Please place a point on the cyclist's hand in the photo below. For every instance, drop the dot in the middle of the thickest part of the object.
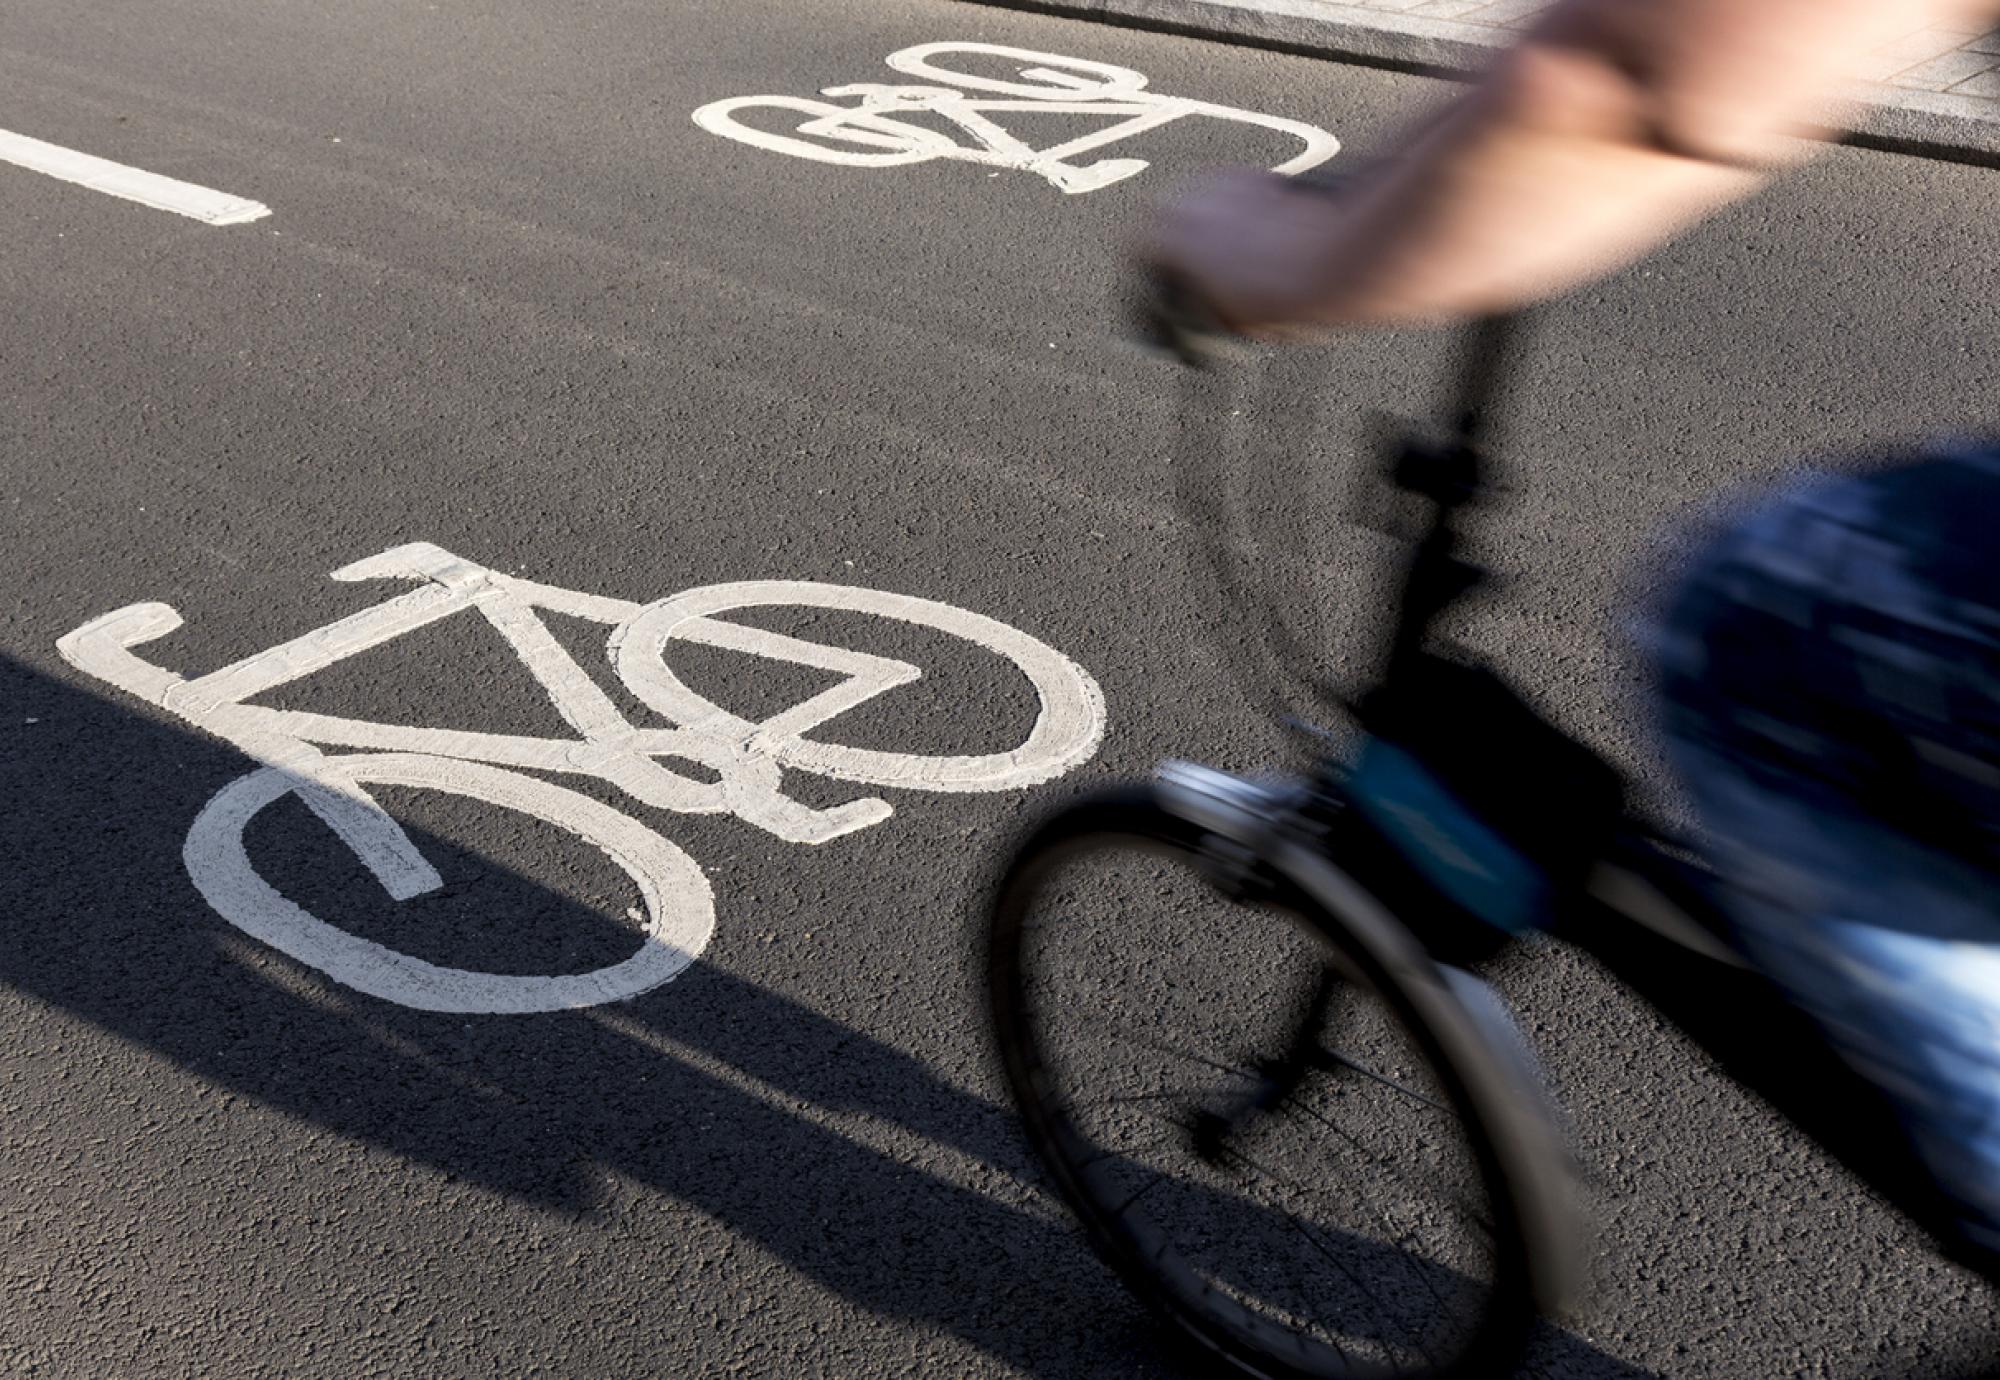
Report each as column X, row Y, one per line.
column 1251, row 245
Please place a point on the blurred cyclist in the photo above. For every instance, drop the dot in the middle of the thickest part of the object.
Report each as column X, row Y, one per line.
column 1830, row 666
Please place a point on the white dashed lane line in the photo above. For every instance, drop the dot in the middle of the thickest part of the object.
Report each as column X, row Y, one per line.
column 134, row 184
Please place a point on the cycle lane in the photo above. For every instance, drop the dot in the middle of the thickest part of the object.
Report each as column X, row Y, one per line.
column 225, row 512
column 573, row 390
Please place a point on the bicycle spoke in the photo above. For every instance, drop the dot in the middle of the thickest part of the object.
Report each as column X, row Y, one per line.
column 1466, row 1210
column 1345, row 1236
column 1111, row 1099
column 1162, row 1047
column 1399, row 1243
column 1313, row 1239
column 1325, row 1056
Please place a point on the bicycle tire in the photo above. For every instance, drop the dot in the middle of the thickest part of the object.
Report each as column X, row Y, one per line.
column 1232, row 1336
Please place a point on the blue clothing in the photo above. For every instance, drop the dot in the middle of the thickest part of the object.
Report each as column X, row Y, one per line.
column 1830, row 678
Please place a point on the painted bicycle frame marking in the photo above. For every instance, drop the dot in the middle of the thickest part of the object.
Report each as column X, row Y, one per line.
column 746, row 759
column 867, row 134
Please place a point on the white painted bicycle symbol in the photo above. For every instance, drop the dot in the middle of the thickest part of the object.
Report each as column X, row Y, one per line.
column 867, row 134
column 746, row 760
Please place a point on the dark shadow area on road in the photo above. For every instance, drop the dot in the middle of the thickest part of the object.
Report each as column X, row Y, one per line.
column 685, row 1092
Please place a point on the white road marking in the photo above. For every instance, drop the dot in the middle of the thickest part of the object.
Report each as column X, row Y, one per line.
column 133, row 184
column 747, row 759
column 865, row 135
column 679, row 916
column 1066, row 732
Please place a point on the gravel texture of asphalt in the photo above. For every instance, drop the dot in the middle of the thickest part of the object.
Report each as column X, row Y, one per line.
column 512, row 301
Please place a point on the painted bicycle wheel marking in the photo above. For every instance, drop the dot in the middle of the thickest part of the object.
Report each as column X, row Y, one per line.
column 747, row 759
column 866, row 134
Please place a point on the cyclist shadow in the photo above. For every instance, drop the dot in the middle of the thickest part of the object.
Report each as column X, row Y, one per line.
column 856, row 1163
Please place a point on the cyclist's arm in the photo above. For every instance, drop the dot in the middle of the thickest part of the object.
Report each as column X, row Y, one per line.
column 1613, row 125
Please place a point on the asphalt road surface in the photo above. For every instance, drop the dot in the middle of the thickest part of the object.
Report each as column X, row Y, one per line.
column 513, row 302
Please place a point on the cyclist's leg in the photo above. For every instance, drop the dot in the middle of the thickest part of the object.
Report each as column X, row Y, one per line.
column 1820, row 899
column 1831, row 678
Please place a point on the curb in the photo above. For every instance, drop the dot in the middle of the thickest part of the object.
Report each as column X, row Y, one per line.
column 1925, row 124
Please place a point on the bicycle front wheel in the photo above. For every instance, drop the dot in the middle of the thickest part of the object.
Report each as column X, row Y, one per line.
column 1261, row 1128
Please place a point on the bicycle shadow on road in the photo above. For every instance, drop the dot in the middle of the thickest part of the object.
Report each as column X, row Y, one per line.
column 847, row 1158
